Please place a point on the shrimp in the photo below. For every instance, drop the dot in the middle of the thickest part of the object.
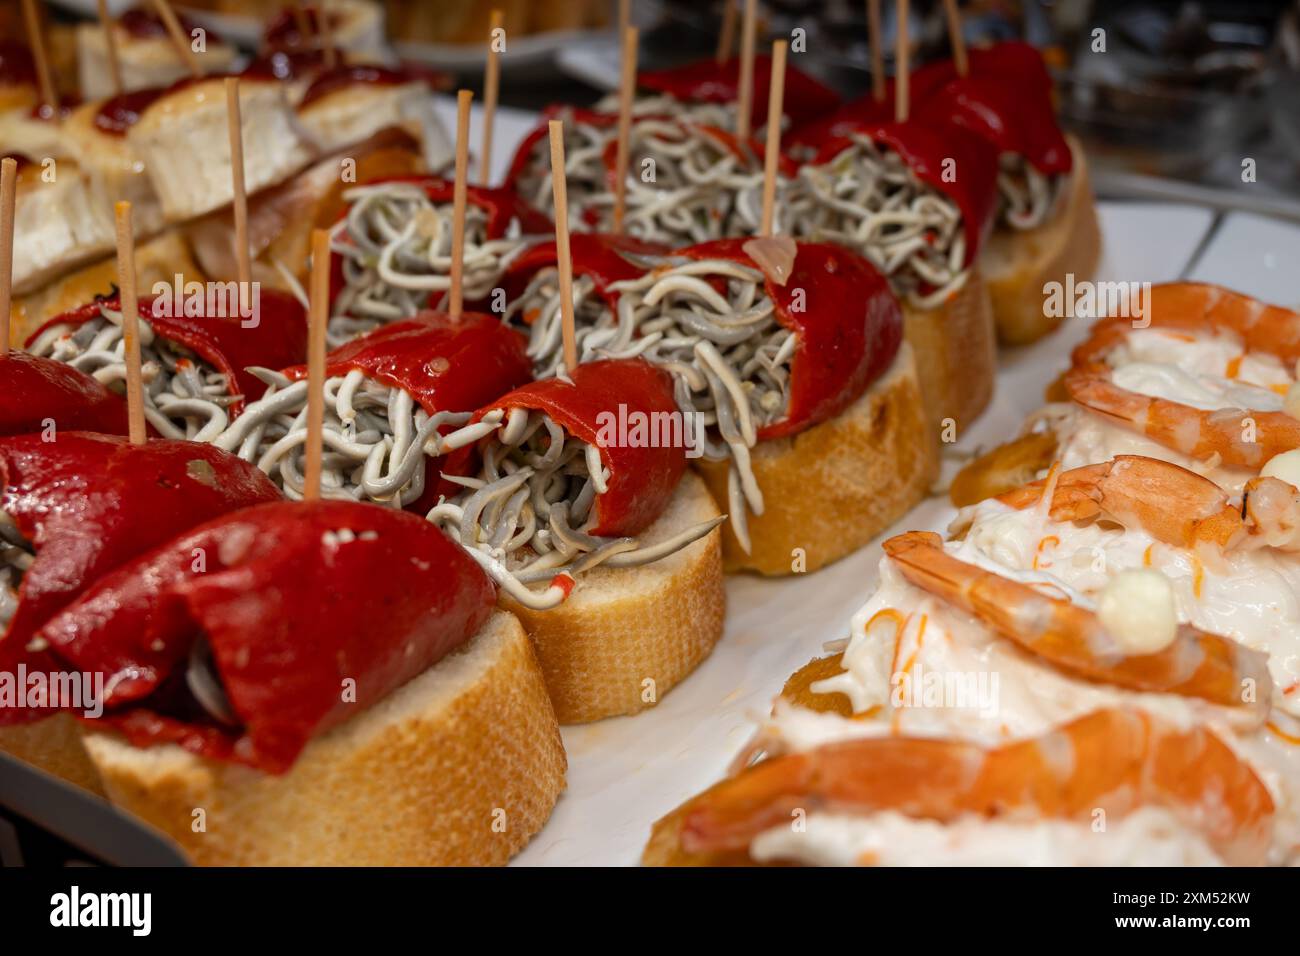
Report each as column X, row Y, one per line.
column 1197, row 432
column 1071, row 638
column 1175, row 506
column 1111, row 760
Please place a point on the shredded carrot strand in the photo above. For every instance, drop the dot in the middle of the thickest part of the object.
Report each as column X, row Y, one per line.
column 1289, row 738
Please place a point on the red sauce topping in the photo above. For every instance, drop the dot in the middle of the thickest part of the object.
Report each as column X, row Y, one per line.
column 144, row 24
column 341, row 77
column 286, row 64
column 17, row 68
column 283, row 33
column 119, row 113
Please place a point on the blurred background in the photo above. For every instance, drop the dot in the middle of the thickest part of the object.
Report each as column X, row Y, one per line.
column 1169, row 96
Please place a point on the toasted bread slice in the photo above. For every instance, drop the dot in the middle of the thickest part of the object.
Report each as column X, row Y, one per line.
column 1017, row 264
column 829, row 490
column 626, row 636
column 956, row 356
column 160, row 259
column 54, row 745
column 461, row 766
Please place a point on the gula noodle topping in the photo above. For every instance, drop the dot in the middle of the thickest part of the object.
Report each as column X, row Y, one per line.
column 16, row 556
column 396, row 249
column 728, row 354
column 376, row 438
column 525, row 518
column 184, row 396
column 868, row 199
column 1027, row 196
column 685, row 183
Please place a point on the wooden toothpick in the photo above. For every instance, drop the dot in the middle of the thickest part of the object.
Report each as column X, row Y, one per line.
column 491, row 86
column 626, row 93
column 455, row 296
column 179, row 38
column 775, row 107
column 8, row 183
column 562, row 255
column 36, row 40
column 726, row 38
column 243, row 265
column 877, row 51
column 745, row 93
column 130, row 322
column 955, row 37
column 901, row 69
column 110, row 44
column 318, row 318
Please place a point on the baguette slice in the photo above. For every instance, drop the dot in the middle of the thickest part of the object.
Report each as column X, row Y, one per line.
column 183, row 140
column 623, row 627
column 53, row 745
column 1017, row 264
column 460, row 767
column 160, row 259
column 956, row 355
column 59, row 222
column 829, row 490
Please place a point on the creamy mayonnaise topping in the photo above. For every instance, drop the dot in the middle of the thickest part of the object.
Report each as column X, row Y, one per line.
column 1151, row 836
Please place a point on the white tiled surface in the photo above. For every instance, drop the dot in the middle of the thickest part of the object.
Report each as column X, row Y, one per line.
column 627, row 772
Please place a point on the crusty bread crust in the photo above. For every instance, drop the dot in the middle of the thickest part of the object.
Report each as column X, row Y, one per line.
column 461, row 766
column 956, row 356
column 158, row 260
column 829, row 490
column 54, row 745
column 626, row 636
column 1017, row 264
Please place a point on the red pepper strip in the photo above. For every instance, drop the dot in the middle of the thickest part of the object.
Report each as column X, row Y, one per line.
column 970, row 179
column 294, row 600
column 706, row 81
column 34, row 390
column 601, row 256
column 523, row 157
column 445, row 365
column 89, row 503
column 604, row 397
column 278, row 338
column 847, row 321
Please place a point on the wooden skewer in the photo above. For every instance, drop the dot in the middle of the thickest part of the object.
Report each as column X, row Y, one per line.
column 303, row 21
column 877, row 52
column 327, row 37
column 955, row 37
column 244, row 268
column 8, row 181
column 130, row 321
column 727, row 38
column 491, row 86
column 624, row 16
column 775, row 107
column 110, row 43
column 626, row 90
column 179, row 38
column 36, row 40
column 455, row 296
column 562, row 255
column 317, row 320
column 745, row 106
column 901, row 69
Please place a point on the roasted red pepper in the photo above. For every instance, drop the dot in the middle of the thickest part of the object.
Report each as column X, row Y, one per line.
column 89, row 503
column 847, row 322
column 446, row 365
column 603, row 257
column 294, row 600
column 278, row 338
column 707, row 81
column 601, row 395
column 34, row 390
column 953, row 160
